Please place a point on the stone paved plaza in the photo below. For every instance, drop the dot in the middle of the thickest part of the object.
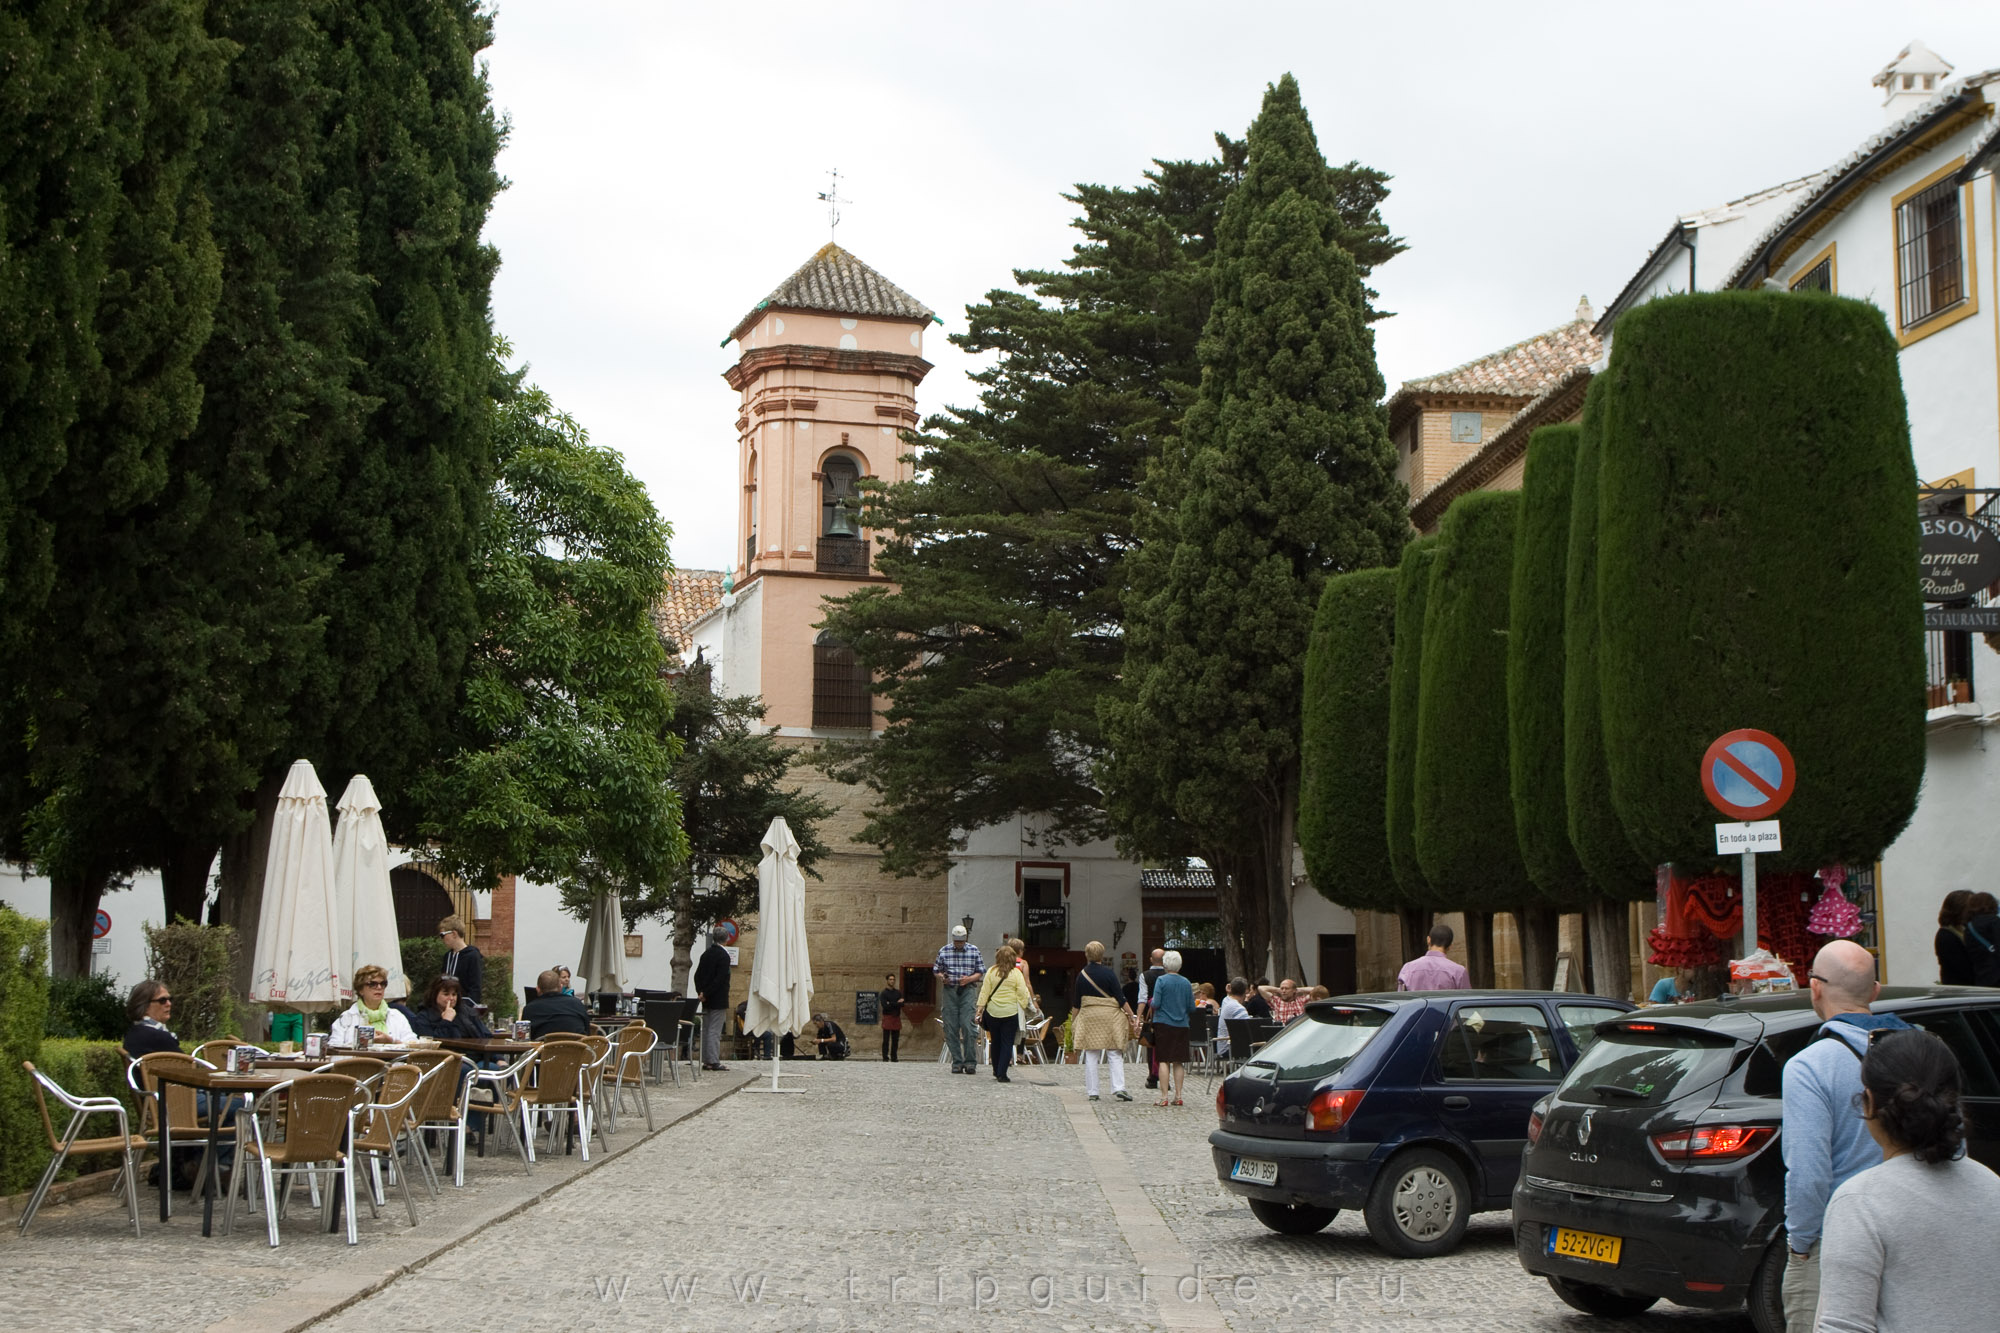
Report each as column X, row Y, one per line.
column 879, row 1198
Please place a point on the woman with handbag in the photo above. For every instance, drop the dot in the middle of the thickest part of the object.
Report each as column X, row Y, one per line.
column 1103, row 1021
column 1003, row 996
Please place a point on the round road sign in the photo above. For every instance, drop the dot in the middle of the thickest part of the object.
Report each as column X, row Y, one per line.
column 101, row 926
column 728, row 926
column 1747, row 774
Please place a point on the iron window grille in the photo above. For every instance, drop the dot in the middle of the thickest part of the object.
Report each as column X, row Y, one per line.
column 1930, row 257
column 840, row 555
column 1818, row 278
column 842, row 688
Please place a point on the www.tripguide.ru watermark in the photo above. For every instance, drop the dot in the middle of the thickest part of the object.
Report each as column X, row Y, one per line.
column 983, row 1291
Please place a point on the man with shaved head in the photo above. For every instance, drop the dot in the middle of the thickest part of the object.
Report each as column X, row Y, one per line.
column 1825, row 1140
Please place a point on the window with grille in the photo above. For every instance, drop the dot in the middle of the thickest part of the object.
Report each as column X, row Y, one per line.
column 1930, row 259
column 841, row 686
column 1818, row 278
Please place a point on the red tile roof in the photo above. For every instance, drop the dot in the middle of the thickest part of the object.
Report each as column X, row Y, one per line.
column 834, row 280
column 689, row 595
column 1528, row 368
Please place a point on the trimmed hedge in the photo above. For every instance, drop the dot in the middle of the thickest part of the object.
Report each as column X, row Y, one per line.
column 1344, row 742
column 1595, row 830
column 1757, row 553
column 197, row 963
column 1406, row 673
column 1464, row 814
column 24, row 1007
column 1535, row 666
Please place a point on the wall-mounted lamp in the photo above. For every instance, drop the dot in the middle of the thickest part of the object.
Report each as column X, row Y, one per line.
column 966, row 921
column 1117, row 931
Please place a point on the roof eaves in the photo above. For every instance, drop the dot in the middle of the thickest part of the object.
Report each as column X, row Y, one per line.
column 1856, row 166
column 1552, row 404
column 1676, row 235
column 1983, row 151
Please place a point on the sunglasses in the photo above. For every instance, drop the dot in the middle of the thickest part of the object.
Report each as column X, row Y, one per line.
column 163, row 999
column 374, row 985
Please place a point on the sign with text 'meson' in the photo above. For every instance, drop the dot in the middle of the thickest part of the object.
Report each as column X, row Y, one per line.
column 1762, row 836
column 1960, row 554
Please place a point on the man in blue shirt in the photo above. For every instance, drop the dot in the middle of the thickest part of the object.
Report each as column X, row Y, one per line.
column 1825, row 1140
column 959, row 969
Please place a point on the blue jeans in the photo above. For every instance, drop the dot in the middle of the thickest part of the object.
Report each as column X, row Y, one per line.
column 955, row 1007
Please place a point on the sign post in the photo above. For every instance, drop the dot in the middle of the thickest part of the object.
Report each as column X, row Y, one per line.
column 1748, row 775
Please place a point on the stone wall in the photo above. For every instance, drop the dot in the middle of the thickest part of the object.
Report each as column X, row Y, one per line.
column 861, row 923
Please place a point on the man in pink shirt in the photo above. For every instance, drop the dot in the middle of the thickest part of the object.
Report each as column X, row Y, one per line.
column 1434, row 971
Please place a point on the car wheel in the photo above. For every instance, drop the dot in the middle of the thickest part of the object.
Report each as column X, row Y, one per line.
column 1419, row 1205
column 1593, row 1299
column 1767, row 1290
column 1292, row 1219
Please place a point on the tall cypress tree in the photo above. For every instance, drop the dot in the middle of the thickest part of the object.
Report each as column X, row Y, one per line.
column 1406, row 675
column 1344, row 743
column 1283, row 475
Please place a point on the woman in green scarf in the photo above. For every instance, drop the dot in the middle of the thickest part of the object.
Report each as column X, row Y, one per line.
column 371, row 1009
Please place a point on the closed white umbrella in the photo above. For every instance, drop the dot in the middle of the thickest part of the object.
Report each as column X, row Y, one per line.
column 364, row 909
column 294, row 963
column 781, row 985
column 603, row 961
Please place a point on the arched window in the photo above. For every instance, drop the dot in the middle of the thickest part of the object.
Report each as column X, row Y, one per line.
column 840, row 502
column 750, row 546
column 841, row 686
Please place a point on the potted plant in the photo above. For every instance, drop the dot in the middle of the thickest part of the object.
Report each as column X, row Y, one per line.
column 1961, row 690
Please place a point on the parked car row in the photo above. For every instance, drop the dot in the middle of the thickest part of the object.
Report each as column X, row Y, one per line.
column 1638, row 1149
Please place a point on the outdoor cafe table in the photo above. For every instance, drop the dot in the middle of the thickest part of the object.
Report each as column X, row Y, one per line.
column 215, row 1081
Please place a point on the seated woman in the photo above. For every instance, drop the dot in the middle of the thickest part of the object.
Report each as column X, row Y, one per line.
column 445, row 1013
column 370, row 1009
column 1204, row 996
column 149, row 1006
column 832, row 1041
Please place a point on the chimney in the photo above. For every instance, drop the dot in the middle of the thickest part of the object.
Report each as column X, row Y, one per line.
column 1911, row 79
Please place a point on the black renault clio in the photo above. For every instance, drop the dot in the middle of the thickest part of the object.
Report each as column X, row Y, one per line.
column 1653, row 1171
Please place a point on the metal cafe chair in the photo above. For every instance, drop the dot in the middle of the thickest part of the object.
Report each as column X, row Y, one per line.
column 376, row 1129
column 124, row 1142
column 309, row 1139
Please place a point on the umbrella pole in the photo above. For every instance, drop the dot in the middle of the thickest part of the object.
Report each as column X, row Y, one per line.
column 775, row 1075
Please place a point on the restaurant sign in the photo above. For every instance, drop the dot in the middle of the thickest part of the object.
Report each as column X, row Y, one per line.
column 1961, row 555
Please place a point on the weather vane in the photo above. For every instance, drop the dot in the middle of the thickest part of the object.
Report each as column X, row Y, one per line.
column 830, row 196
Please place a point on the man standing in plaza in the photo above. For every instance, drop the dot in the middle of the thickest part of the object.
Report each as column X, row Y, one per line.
column 1147, row 980
column 711, row 982
column 959, row 969
column 1434, row 971
column 1825, row 1141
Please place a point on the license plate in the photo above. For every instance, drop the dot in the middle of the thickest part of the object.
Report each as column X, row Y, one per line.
column 1585, row 1245
column 1254, row 1171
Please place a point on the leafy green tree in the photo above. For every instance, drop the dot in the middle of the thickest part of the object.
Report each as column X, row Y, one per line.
column 1344, row 743
column 1595, row 831
column 1406, row 675
column 1003, row 627
column 1464, row 812
column 731, row 779
column 1745, row 532
column 1282, row 476
column 561, row 759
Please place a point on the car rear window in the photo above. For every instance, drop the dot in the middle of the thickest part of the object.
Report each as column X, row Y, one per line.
column 1322, row 1042
column 1647, row 1064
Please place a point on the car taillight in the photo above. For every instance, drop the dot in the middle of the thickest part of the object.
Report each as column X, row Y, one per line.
column 1331, row 1109
column 1221, row 1110
column 1534, row 1127
column 1713, row 1143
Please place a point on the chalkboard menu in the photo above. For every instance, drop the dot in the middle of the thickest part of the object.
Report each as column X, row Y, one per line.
column 867, row 1008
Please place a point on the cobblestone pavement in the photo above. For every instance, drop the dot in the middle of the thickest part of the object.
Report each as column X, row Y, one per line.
column 80, row 1268
column 908, row 1198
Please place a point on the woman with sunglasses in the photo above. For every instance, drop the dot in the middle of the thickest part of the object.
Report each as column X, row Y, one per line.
column 151, row 1009
column 371, row 1009
column 1910, row 1244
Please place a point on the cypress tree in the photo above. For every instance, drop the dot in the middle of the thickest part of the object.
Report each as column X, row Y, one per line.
column 1535, row 668
column 1746, row 532
column 1464, row 832
column 1283, row 476
column 1406, row 674
column 1344, row 742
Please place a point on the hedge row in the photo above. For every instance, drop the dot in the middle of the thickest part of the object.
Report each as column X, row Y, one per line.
column 1406, row 674
column 1344, row 742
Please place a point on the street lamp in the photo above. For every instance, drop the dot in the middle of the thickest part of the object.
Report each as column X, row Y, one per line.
column 1117, row 931
column 966, row 921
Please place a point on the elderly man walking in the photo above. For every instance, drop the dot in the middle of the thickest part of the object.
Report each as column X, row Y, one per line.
column 711, row 982
column 959, row 970
column 1825, row 1140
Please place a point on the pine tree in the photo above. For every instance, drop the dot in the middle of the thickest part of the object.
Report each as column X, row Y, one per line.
column 1003, row 630
column 1283, row 475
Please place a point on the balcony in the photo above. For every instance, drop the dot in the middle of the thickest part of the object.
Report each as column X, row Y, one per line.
column 841, row 555
column 1952, row 629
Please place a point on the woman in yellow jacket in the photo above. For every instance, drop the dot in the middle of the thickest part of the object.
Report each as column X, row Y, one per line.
column 1002, row 997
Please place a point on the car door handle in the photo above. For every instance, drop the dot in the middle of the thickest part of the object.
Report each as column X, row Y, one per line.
column 1457, row 1103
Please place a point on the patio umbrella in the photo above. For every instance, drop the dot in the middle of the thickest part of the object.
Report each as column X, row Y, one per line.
column 781, row 985
column 364, row 910
column 295, row 964
column 603, row 961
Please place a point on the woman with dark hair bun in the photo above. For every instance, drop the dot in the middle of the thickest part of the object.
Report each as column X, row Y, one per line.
column 1910, row 1244
column 1954, row 963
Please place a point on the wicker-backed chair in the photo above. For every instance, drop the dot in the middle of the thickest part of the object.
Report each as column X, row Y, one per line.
column 437, row 1105
column 628, row 1067
column 601, row 1122
column 214, row 1051
column 309, row 1138
column 376, row 1129
column 504, row 1106
column 561, row 1088
column 363, row 1070
column 124, row 1142
column 184, row 1120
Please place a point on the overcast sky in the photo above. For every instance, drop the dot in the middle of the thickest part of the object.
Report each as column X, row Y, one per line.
column 664, row 159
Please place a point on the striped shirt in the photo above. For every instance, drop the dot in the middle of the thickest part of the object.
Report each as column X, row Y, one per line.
column 955, row 963
column 1284, row 1010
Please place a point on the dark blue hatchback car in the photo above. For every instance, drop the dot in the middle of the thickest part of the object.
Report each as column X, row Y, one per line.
column 1412, row 1106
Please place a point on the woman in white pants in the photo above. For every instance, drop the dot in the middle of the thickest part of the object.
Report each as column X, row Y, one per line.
column 1103, row 1021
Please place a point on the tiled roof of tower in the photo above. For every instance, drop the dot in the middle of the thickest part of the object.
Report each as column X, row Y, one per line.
column 835, row 281
column 689, row 595
column 1522, row 371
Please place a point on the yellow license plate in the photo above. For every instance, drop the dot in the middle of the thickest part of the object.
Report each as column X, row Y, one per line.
column 1585, row 1245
